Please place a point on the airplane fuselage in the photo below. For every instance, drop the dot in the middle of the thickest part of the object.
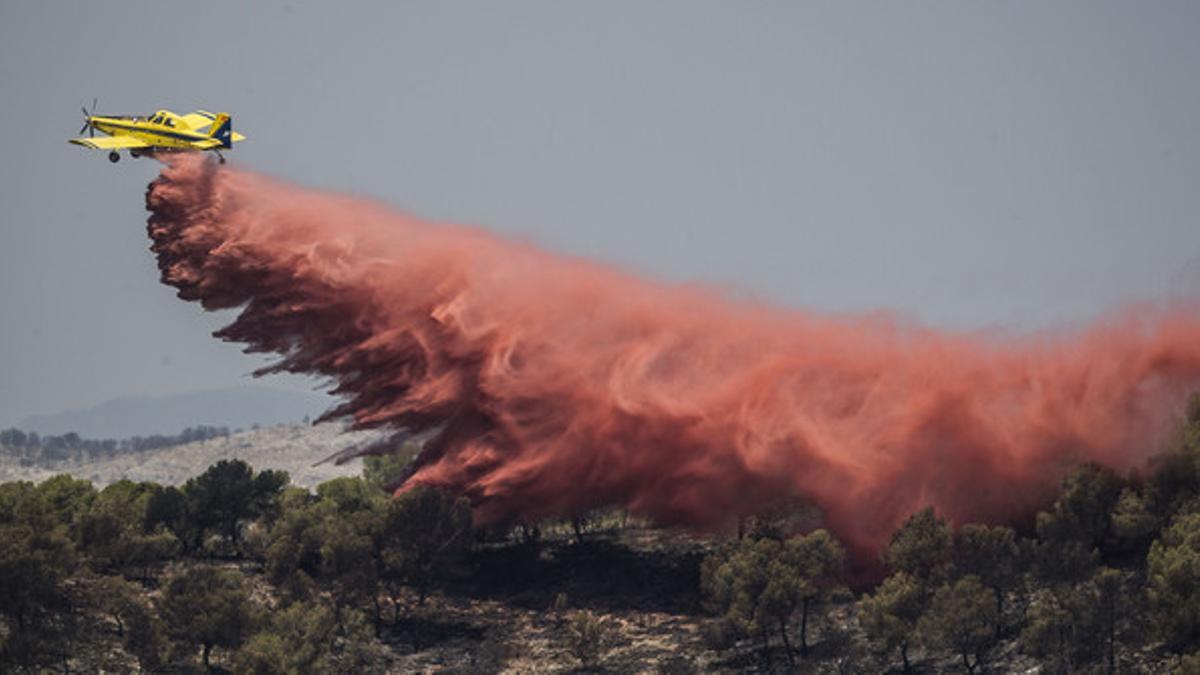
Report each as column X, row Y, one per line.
column 152, row 134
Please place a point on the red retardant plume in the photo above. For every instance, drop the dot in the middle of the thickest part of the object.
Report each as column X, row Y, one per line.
column 549, row 385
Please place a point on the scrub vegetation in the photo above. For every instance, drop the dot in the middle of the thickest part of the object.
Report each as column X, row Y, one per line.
column 236, row 570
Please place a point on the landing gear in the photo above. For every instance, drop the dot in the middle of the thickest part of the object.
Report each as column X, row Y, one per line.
column 134, row 154
column 114, row 157
column 220, row 157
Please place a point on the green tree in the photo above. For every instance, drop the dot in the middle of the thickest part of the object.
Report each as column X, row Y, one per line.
column 1111, row 600
column 1054, row 630
column 731, row 581
column 1071, row 533
column 1061, row 561
column 115, row 598
column 33, row 567
column 293, row 551
column 1173, row 484
column 335, row 538
column 144, row 636
column 1074, row 627
column 227, row 494
column 21, row 503
column 140, row 632
column 1083, row 511
column 207, row 607
column 1173, row 580
column 890, row 615
column 962, row 618
column 166, row 508
column 111, row 533
column 1133, row 524
column 35, row 562
column 923, row 547
column 65, row 497
column 348, row 563
column 992, row 555
column 298, row 639
column 348, row 495
column 423, row 531
column 812, row 565
column 384, row 472
column 760, row 585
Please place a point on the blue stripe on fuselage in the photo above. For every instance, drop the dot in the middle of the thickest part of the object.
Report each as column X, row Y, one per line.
column 186, row 136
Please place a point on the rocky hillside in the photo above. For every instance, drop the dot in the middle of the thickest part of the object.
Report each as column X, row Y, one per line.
column 296, row 448
column 234, row 407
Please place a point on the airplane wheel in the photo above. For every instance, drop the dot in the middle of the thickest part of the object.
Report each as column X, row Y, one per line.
column 114, row 157
column 134, row 154
column 220, row 160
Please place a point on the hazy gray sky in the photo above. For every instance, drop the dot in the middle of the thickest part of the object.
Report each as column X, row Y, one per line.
column 963, row 164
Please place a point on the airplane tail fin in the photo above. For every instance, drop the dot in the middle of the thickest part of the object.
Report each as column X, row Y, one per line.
column 222, row 130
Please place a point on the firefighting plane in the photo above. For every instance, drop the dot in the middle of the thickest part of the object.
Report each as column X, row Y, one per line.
column 162, row 131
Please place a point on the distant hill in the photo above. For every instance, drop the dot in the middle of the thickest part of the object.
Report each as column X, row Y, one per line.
column 235, row 408
column 295, row 448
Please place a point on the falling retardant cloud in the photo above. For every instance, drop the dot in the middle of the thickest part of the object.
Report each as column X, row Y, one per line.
column 549, row 385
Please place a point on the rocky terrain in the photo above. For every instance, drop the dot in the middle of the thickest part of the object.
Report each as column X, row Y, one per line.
column 610, row 593
column 298, row 449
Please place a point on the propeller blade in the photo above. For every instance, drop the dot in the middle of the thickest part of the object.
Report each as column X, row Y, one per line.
column 87, row 119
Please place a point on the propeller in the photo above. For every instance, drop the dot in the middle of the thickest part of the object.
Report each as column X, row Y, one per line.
column 87, row 119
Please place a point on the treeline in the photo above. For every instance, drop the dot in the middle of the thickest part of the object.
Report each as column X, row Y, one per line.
column 237, row 570
column 171, row 571
column 1106, row 580
column 32, row 449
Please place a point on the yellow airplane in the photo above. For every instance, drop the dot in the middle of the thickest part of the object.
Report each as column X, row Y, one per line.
column 163, row 131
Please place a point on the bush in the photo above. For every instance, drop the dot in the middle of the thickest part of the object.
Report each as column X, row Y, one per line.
column 298, row 639
column 589, row 637
column 719, row 634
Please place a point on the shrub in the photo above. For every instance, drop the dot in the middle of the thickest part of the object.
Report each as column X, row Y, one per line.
column 589, row 637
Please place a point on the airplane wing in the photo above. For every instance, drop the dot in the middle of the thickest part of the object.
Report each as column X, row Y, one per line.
column 110, row 142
